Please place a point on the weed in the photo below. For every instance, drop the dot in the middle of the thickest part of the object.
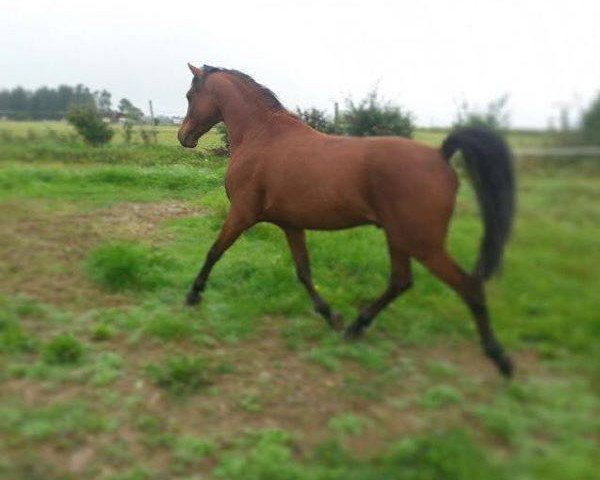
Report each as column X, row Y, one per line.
column 191, row 451
column 267, row 454
column 181, row 374
column 127, row 266
column 64, row 422
column 13, row 339
column 441, row 395
column 102, row 332
column 251, row 402
column 451, row 455
column 347, row 424
column 105, row 369
column 168, row 327
column 64, row 349
column 136, row 473
column 441, row 369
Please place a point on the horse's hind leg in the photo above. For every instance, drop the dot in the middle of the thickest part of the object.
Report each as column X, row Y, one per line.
column 400, row 281
column 297, row 242
column 470, row 288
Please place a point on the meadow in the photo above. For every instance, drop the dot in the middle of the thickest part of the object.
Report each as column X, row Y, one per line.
column 104, row 373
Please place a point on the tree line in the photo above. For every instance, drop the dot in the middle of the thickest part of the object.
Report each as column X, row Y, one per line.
column 46, row 103
column 371, row 116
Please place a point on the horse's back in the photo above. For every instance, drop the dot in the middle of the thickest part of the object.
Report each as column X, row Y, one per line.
column 319, row 181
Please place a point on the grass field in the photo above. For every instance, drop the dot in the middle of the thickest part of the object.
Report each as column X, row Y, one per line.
column 167, row 134
column 105, row 374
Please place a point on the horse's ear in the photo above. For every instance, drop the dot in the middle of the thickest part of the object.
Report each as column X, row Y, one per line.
column 195, row 70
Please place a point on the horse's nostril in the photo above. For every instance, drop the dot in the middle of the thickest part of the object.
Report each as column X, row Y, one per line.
column 182, row 137
column 185, row 140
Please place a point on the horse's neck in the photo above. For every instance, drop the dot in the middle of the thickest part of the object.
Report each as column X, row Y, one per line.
column 244, row 112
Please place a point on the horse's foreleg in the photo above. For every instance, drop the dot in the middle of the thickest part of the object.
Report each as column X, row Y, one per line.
column 400, row 281
column 470, row 288
column 297, row 242
column 232, row 228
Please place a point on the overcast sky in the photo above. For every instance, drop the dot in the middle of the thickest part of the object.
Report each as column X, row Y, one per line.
column 426, row 55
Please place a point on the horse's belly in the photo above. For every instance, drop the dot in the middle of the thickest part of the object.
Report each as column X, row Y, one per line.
column 318, row 215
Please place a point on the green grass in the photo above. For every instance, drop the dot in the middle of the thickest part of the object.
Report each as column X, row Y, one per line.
column 450, row 455
column 123, row 266
column 104, row 373
column 62, row 131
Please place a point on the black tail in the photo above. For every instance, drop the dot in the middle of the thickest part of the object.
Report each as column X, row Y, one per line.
column 489, row 163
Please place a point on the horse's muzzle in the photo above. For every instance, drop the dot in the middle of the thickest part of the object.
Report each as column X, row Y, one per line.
column 186, row 139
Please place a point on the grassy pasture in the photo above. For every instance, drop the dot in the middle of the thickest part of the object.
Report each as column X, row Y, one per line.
column 105, row 374
column 46, row 130
column 167, row 134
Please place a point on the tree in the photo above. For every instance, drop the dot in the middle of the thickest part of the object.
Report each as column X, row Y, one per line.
column 130, row 111
column 88, row 122
column 18, row 104
column 590, row 122
column 374, row 117
column 316, row 119
column 495, row 116
column 103, row 102
column 82, row 95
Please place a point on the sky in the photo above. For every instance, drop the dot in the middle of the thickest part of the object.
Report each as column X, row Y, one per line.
column 428, row 56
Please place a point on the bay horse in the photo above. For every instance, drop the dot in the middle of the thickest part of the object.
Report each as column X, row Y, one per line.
column 284, row 172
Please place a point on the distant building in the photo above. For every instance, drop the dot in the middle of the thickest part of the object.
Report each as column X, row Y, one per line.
column 169, row 120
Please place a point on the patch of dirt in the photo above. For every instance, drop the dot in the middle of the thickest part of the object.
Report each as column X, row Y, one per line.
column 41, row 253
column 291, row 393
column 298, row 395
column 137, row 220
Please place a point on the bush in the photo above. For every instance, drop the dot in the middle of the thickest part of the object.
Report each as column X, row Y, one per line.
column 495, row 116
column 127, row 130
column 590, row 122
column 148, row 136
column 64, row 349
column 225, row 149
column 181, row 374
column 89, row 124
column 374, row 117
column 126, row 266
column 316, row 119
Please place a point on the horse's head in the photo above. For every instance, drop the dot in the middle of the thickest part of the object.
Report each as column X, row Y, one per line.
column 203, row 112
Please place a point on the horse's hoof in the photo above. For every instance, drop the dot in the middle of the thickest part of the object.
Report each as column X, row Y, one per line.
column 353, row 332
column 506, row 366
column 336, row 321
column 192, row 299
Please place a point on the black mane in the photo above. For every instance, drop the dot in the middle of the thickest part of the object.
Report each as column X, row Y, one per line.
column 264, row 92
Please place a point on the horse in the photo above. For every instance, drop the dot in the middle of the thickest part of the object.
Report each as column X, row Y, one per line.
column 284, row 172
